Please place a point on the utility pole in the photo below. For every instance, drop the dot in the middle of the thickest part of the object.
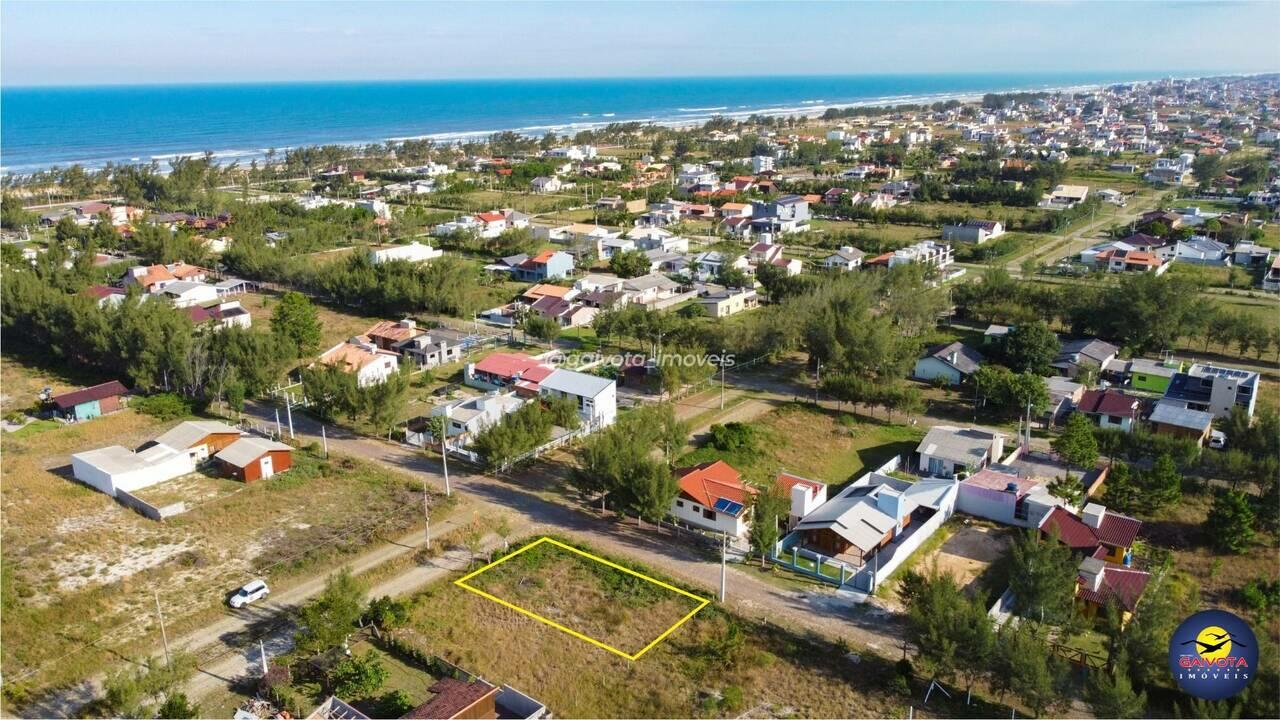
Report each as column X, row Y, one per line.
column 288, row 409
column 724, row 552
column 817, row 380
column 426, row 508
column 721, row 380
column 444, row 450
column 279, row 433
column 164, row 636
column 262, row 652
column 324, row 440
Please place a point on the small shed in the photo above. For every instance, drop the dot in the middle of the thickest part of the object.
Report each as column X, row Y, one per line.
column 253, row 458
column 90, row 402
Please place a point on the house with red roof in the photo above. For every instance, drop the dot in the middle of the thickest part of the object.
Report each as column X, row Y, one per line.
column 806, row 495
column 507, row 370
column 1105, row 540
column 713, row 497
column 1097, row 532
column 1110, row 408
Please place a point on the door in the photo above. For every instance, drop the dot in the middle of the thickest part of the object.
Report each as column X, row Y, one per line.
column 264, row 465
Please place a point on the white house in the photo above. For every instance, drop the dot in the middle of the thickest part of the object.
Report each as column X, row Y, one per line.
column 185, row 293
column 546, row 184
column 954, row 363
column 845, row 259
column 761, row 163
column 947, row 451
column 713, row 497
column 596, row 396
column 414, row 252
column 378, row 207
column 114, row 468
column 371, row 365
column 973, row 231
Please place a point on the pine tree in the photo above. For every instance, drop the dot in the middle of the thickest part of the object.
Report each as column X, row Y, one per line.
column 1111, row 695
column 1230, row 522
column 1076, row 444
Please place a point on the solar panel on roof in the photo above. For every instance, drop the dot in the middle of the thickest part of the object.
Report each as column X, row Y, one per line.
column 728, row 506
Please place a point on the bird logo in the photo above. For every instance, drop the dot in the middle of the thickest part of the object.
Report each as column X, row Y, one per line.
column 1213, row 643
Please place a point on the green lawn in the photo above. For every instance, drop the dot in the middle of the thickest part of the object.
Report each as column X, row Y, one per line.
column 34, row 427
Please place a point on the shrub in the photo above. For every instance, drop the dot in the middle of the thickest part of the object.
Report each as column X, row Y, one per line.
column 731, row 699
column 395, row 704
column 733, row 437
column 164, row 406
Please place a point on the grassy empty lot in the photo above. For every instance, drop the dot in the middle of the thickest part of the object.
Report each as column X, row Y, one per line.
column 824, row 445
column 604, row 603
column 755, row 667
column 21, row 382
column 78, row 566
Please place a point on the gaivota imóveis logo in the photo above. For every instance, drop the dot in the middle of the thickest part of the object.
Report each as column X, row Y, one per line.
column 1213, row 654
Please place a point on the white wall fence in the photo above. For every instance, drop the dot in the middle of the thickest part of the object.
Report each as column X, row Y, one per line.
column 146, row 509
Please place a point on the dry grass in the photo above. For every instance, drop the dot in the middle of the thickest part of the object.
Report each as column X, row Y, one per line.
column 80, row 565
column 820, row 444
column 603, row 603
column 20, row 382
column 778, row 674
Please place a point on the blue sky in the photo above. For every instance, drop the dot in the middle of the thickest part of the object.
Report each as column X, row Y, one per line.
column 120, row 42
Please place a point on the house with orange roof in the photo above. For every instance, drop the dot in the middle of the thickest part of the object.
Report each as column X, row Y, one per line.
column 541, row 290
column 371, row 365
column 155, row 278
column 387, row 334
column 713, row 497
column 546, row 265
column 732, row 210
column 1119, row 260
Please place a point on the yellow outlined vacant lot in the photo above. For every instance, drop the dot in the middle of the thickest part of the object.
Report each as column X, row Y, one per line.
column 702, row 602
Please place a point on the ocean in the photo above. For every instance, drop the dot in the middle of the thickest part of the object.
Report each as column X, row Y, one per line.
column 59, row 126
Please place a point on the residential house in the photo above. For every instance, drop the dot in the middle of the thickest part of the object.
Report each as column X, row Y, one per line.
column 1110, row 409
column 1104, row 540
column 953, row 362
column 155, row 278
column 1118, row 260
column 1271, row 281
column 1148, row 375
column 414, row 252
column 1091, row 353
column 845, row 259
column 221, row 315
column 768, row 253
column 564, row 312
column 466, row 417
column 90, row 402
column 498, row 371
column 1214, row 389
column 184, row 293
column 387, row 334
column 105, row 295
column 761, row 163
column 1203, row 251
column 785, row 215
column 713, row 497
column 1000, row 494
column 720, row 302
column 649, row 289
column 199, row 439
column 805, row 495
column 115, row 469
column 974, row 232
column 596, row 396
column 458, row 699
column 707, row 265
column 947, row 451
column 1172, row 418
column 546, row 265
column 611, row 246
column 361, row 356
column 253, row 458
column 872, row 525
column 544, row 290
column 545, row 184
column 1065, row 197
column 432, row 348
column 1064, row 395
column 929, row 252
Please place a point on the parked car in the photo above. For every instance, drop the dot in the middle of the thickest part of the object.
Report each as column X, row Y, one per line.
column 252, row 592
column 1218, row 440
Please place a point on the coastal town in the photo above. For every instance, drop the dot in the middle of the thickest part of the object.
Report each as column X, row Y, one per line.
column 943, row 409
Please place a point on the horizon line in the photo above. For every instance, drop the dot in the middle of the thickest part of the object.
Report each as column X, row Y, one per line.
column 1170, row 73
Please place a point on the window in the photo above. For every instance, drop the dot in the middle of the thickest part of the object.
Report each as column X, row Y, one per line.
column 1115, row 419
column 679, row 503
column 709, row 514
